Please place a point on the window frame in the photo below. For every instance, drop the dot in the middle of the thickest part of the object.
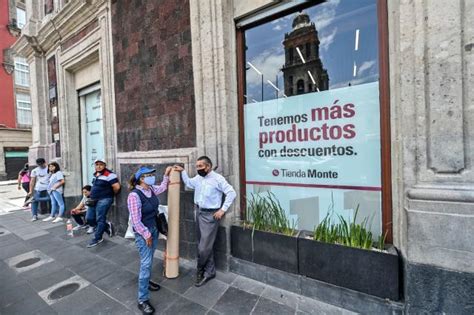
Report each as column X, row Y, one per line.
column 19, row 107
column 27, row 72
column 384, row 101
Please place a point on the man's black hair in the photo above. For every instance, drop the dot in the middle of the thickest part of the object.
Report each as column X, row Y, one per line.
column 205, row 159
column 40, row 161
column 87, row 187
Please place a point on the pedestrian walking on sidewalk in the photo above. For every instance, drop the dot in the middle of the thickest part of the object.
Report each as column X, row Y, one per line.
column 38, row 191
column 55, row 190
column 24, row 180
column 143, row 207
column 80, row 211
column 208, row 190
column 105, row 185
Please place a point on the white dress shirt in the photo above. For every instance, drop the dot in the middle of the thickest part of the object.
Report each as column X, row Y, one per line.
column 208, row 190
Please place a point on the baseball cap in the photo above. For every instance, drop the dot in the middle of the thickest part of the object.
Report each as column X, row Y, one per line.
column 100, row 160
column 143, row 170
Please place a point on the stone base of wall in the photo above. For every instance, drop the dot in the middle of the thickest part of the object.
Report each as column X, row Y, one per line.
column 436, row 290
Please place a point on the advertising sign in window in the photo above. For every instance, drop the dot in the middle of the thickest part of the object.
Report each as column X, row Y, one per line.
column 312, row 113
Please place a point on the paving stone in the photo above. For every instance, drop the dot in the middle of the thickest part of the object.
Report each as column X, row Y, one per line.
column 28, row 305
column 227, row 277
column 13, row 250
column 235, row 301
column 79, row 301
column 106, row 244
column 180, row 284
column 12, row 294
column 44, row 282
column 281, row 296
column 266, row 306
column 119, row 255
column 127, row 293
column 184, row 306
column 310, row 306
column 41, row 271
column 161, row 299
column 35, row 258
column 100, row 270
column 248, row 285
column 70, row 256
column 27, row 237
column 9, row 239
column 208, row 294
column 107, row 306
column 114, row 281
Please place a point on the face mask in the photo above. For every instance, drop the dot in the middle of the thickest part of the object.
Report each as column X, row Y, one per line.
column 150, row 180
column 202, row 172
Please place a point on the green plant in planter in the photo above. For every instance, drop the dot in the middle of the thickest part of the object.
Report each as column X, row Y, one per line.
column 266, row 214
column 344, row 232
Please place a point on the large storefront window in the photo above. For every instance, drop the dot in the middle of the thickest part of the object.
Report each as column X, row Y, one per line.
column 311, row 113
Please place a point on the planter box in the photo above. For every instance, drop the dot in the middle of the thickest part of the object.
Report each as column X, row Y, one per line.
column 269, row 249
column 372, row 272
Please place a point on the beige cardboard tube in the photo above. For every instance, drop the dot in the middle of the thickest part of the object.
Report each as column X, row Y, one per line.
column 172, row 243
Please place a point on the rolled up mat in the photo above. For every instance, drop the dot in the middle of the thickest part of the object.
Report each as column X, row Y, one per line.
column 172, row 243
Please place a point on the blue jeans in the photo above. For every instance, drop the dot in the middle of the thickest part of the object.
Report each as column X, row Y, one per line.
column 57, row 201
column 146, row 263
column 37, row 199
column 97, row 216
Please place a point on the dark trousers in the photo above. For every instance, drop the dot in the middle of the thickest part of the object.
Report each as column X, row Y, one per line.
column 26, row 187
column 207, row 228
column 97, row 216
column 79, row 218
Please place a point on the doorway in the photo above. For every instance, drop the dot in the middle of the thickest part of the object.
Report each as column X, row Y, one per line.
column 92, row 130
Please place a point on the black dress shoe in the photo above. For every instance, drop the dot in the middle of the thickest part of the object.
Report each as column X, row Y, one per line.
column 203, row 281
column 146, row 307
column 199, row 277
column 153, row 286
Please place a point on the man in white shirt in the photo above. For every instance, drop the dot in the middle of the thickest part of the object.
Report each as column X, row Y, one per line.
column 208, row 190
column 38, row 187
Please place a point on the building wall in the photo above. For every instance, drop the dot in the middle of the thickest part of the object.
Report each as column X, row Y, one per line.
column 154, row 95
column 7, row 101
column 431, row 84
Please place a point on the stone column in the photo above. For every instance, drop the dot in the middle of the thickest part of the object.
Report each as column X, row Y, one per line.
column 215, row 86
column 432, row 108
column 41, row 131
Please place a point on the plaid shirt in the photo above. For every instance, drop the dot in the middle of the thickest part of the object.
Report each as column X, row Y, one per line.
column 135, row 206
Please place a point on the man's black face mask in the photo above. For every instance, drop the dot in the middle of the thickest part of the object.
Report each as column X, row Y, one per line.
column 202, row 172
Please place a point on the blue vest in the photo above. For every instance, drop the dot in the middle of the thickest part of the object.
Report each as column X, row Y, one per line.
column 149, row 208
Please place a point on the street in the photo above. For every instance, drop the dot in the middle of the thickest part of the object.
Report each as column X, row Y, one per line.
column 45, row 271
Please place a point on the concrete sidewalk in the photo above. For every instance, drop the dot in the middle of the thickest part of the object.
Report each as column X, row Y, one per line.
column 36, row 258
column 11, row 199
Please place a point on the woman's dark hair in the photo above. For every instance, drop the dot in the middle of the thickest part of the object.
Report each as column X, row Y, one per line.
column 56, row 166
column 87, row 187
column 132, row 182
column 24, row 170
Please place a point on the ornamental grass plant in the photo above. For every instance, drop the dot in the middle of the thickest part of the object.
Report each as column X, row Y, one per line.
column 265, row 213
column 347, row 232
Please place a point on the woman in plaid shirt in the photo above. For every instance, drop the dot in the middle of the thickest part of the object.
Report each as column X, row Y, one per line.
column 143, row 207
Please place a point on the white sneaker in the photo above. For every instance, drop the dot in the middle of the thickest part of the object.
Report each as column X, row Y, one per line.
column 90, row 230
column 34, row 218
column 58, row 219
column 48, row 219
column 78, row 227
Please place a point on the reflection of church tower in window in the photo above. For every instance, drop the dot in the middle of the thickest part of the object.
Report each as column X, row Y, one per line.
column 303, row 76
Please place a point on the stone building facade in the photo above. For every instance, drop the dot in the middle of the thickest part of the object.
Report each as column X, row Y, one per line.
column 168, row 81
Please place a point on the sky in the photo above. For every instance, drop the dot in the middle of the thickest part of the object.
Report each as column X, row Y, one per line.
column 336, row 22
